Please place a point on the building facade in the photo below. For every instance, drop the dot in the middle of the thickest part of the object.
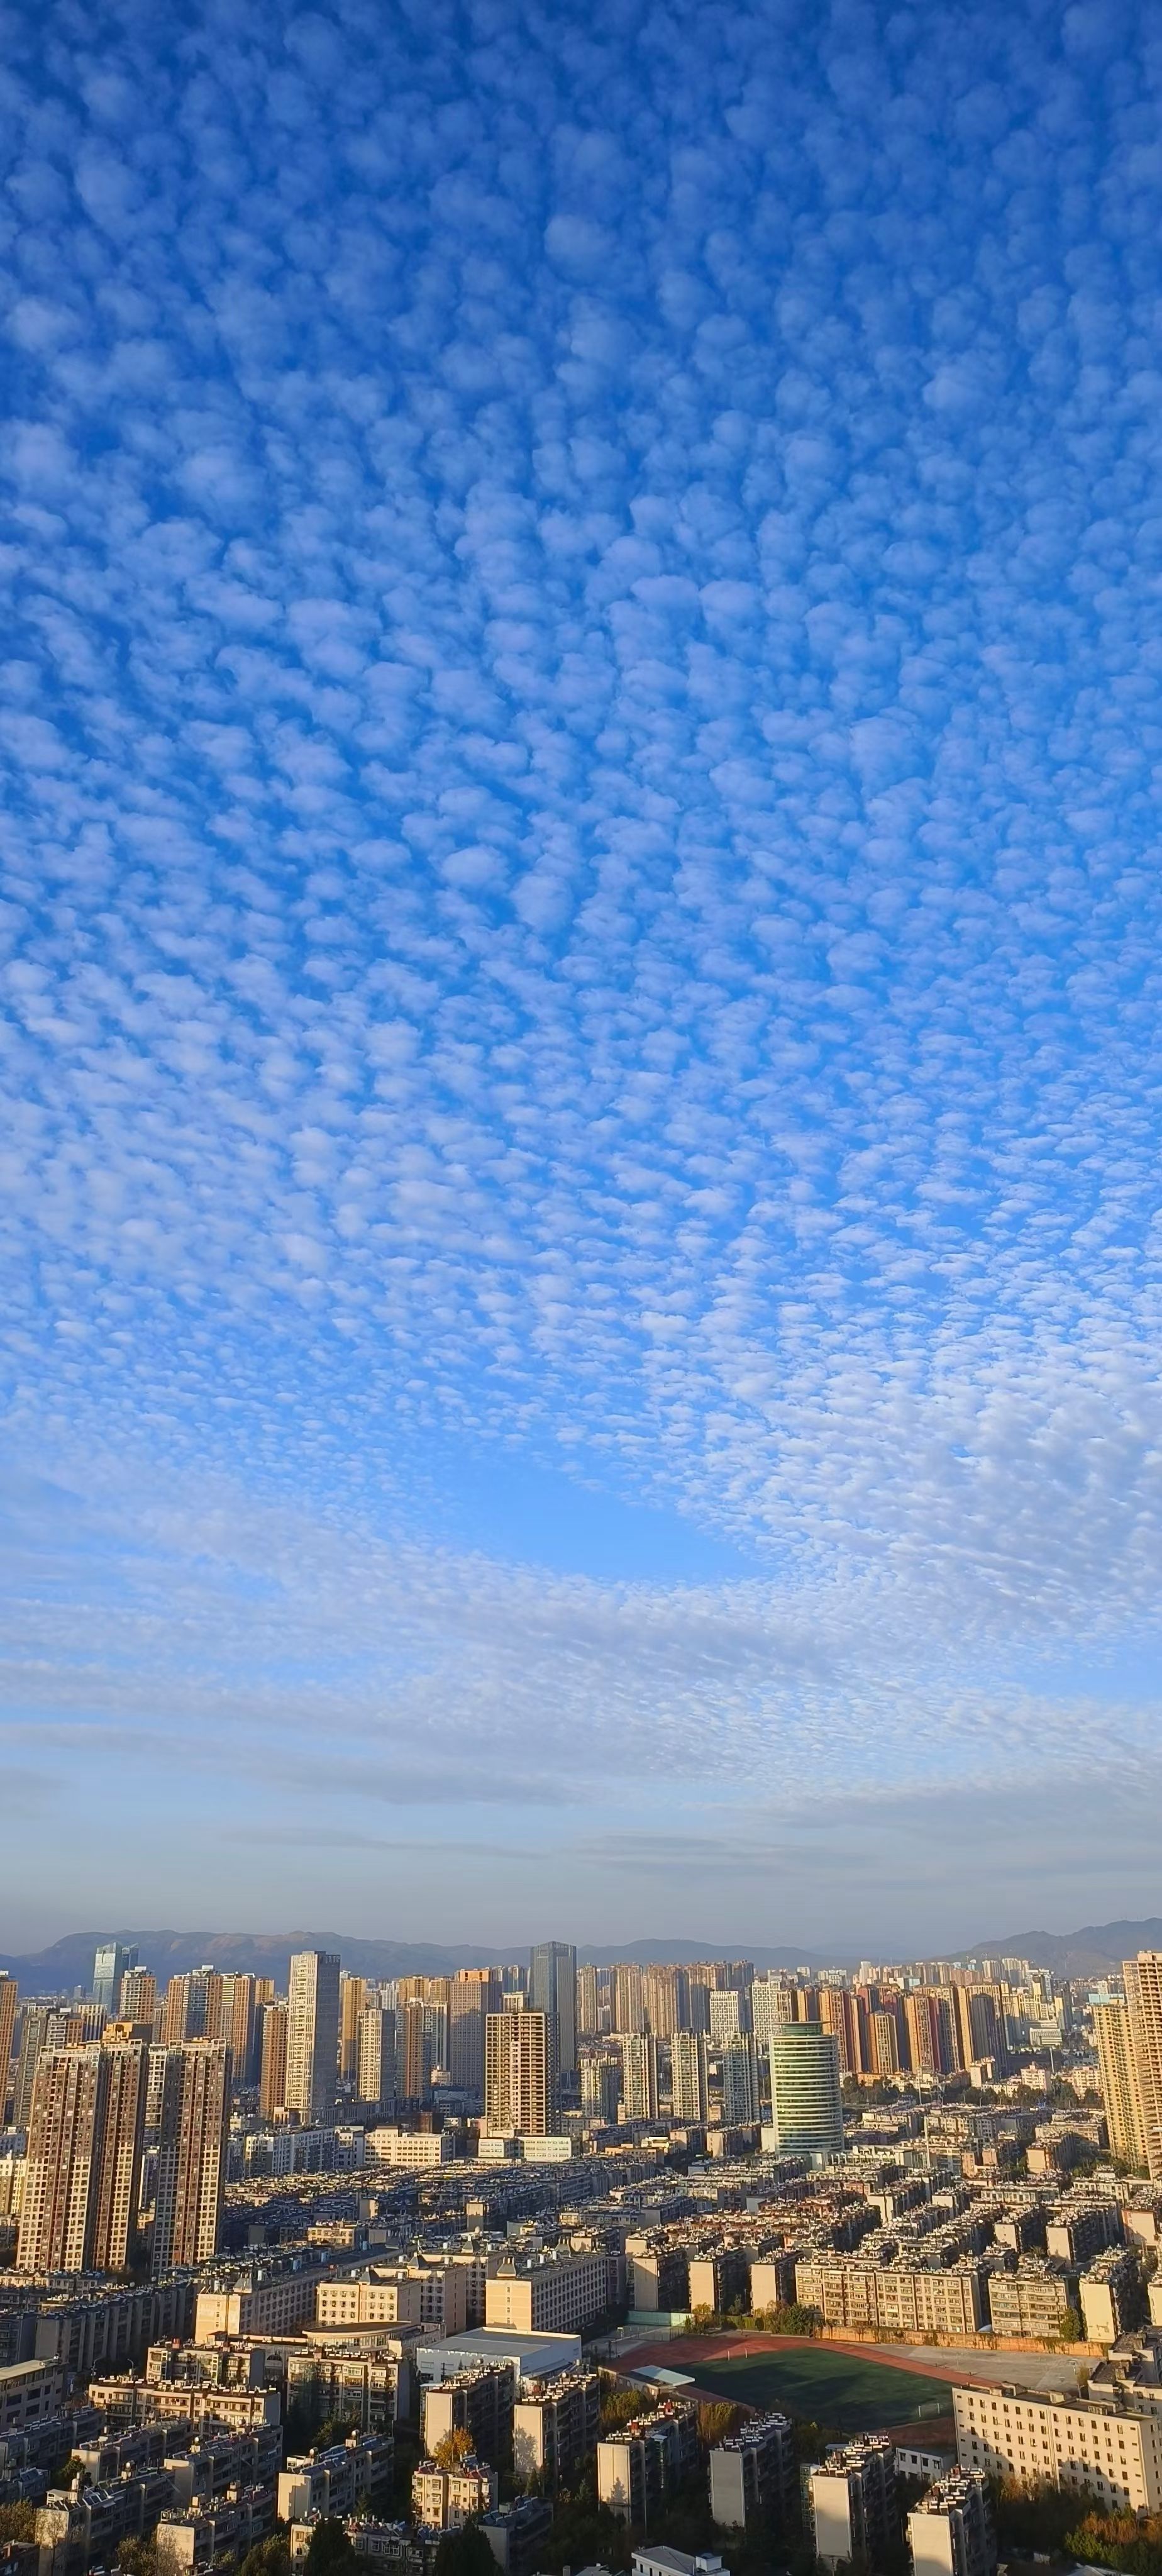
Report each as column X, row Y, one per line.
column 312, row 2043
column 191, row 2161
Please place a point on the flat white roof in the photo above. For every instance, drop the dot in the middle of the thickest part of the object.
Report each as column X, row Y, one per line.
column 536, row 2356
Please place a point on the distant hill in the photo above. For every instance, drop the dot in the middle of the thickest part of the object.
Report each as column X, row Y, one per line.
column 69, row 1963
column 1088, row 1953
column 644, row 1951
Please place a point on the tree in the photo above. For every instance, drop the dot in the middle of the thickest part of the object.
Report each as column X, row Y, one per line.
column 334, row 2429
column 71, row 2469
column 330, row 2551
column 791, row 2318
column 455, row 2446
column 138, row 2557
column 268, row 2557
column 621, row 2405
column 17, row 2522
column 1070, row 2325
column 465, row 2553
column 717, row 2420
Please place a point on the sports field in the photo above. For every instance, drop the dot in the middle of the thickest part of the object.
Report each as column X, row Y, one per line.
column 833, row 2388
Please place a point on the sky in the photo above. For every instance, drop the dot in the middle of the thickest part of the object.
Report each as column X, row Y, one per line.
column 580, row 960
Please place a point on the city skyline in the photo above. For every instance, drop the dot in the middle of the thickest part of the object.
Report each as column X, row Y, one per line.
column 580, row 942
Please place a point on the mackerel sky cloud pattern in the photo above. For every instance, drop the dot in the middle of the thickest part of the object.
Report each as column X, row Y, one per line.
column 581, row 742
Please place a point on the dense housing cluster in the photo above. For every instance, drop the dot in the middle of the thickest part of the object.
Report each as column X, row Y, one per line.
column 362, row 2253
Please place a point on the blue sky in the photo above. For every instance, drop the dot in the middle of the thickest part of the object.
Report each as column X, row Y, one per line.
column 581, row 967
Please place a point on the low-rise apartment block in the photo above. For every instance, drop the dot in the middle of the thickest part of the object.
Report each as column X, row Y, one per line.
column 337, row 2481
column 720, row 2280
column 257, row 2301
column 110, row 2328
column 894, row 2298
column 210, row 2468
column 411, row 2150
column 396, row 2547
column 659, row 2278
column 207, row 2365
column 640, row 2464
column 445, row 2499
column 950, row 2531
column 1111, row 2295
column 478, row 2402
column 1033, row 2299
column 772, row 2282
column 373, row 2388
column 851, row 2497
column 213, row 2535
column 128, row 2399
column 29, row 2391
column 555, row 2424
column 664, row 2561
column 418, row 2294
column 516, row 2534
column 553, row 2293
column 75, row 2530
column 1080, row 2229
column 1107, row 2450
column 752, row 2476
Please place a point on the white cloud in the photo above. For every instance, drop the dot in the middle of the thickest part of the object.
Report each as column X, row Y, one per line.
column 580, row 850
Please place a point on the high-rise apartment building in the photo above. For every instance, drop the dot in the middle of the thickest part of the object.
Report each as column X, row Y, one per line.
column 9, row 1995
column 110, row 1962
column 688, row 2075
column 979, row 2016
column 628, row 1987
column 667, row 2000
column 230, row 2014
column 138, row 1995
column 35, row 2023
column 375, row 2063
column 184, row 2010
column 1143, row 1982
column 933, row 2048
column 883, row 2044
column 738, row 2080
column 600, row 2082
column 639, row 2075
column 588, row 2003
column 518, row 2074
column 154, row 2089
column 730, row 2013
column 840, row 2013
column 472, row 1994
column 768, row 2008
column 354, row 1995
column 272, row 2059
column 312, row 2044
column 553, row 1991
column 421, row 2046
column 56, row 2221
column 806, row 2100
column 84, row 2158
column 118, row 2175
column 191, row 2160
column 1119, row 2081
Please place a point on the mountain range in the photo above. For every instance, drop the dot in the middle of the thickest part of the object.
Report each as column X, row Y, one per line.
column 68, row 1964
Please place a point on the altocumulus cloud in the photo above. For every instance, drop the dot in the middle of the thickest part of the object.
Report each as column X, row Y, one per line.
column 581, row 735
